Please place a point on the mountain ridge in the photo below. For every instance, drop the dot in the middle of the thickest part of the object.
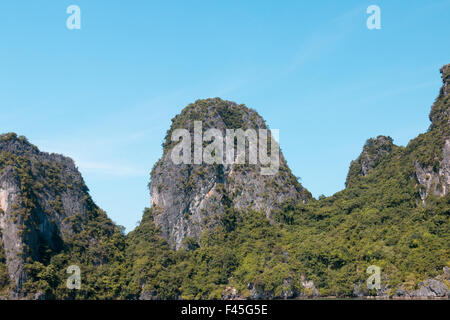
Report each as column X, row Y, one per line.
column 393, row 213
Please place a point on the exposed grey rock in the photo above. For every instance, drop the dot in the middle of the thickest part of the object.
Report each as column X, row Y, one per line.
column 37, row 198
column 39, row 296
column 10, row 225
column 231, row 293
column 446, row 273
column 258, row 293
column 308, row 289
column 431, row 288
column 146, row 295
column 190, row 197
column 288, row 291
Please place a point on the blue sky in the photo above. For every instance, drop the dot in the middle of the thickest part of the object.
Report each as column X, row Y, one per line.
column 104, row 95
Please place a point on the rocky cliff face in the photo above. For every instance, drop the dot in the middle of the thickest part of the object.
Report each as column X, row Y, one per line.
column 39, row 193
column 434, row 179
column 189, row 197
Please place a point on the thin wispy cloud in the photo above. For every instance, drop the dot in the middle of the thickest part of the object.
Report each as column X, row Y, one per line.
column 111, row 169
column 93, row 155
column 403, row 89
column 323, row 40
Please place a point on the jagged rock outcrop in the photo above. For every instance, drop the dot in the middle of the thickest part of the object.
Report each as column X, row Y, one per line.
column 374, row 151
column 189, row 197
column 434, row 179
column 39, row 193
column 430, row 288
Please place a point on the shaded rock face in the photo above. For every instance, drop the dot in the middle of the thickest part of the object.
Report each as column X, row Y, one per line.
column 374, row 152
column 39, row 192
column 190, row 197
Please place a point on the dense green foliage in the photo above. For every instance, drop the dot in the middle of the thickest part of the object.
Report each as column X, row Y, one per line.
column 151, row 262
column 331, row 242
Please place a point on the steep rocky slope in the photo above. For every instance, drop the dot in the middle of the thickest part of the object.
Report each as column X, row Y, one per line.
column 45, row 211
column 188, row 198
